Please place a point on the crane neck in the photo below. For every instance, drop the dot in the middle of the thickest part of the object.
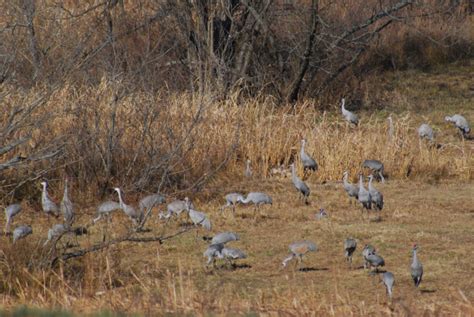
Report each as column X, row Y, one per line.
column 361, row 183
column 415, row 258
column 65, row 189
column 370, row 183
column 44, row 194
column 120, row 199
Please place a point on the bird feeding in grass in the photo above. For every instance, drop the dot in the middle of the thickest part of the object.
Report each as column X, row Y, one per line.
column 372, row 259
column 10, row 212
column 131, row 212
column 232, row 200
column 213, row 252
column 376, row 167
column 426, row 132
column 350, row 246
column 298, row 250
column 225, row 237
column 105, row 209
column 309, row 164
column 461, row 123
column 21, row 232
column 176, row 207
column 348, row 115
column 300, row 186
column 148, row 202
column 257, row 199
column 388, row 280
column 232, row 254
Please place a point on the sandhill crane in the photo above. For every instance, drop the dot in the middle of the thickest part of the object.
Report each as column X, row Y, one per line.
column 298, row 249
column 299, row 184
column 364, row 196
column 49, row 207
column 199, row 219
column 177, row 207
column 127, row 209
column 56, row 232
column 150, row 201
column 376, row 197
column 416, row 268
column 21, row 231
column 232, row 254
column 105, row 209
column 232, row 199
column 308, row 162
column 391, row 129
column 321, row 214
column 66, row 206
column 248, row 170
column 372, row 259
column 225, row 237
column 376, row 167
column 349, row 116
column 460, row 122
column 426, row 132
column 257, row 199
column 368, row 249
column 10, row 212
column 350, row 246
column 388, row 280
column 351, row 190
column 213, row 252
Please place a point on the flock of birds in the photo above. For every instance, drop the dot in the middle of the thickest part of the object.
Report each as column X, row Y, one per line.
column 369, row 199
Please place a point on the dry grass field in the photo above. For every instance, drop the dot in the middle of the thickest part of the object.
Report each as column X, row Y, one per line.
column 429, row 200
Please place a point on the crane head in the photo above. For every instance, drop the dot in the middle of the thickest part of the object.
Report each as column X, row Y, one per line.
column 44, row 183
column 117, row 189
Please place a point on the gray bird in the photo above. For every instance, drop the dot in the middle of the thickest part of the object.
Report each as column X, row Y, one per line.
column 376, row 167
column 388, row 280
column 257, row 199
column 416, row 268
column 49, row 207
column 364, row 196
column 460, row 122
column 127, row 209
column 372, row 259
column 298, row 249
column 21, row 231
column 299, row 184
column 213, row 252
column 351, row 190
column 368, row 249
column 376, row 197
column 426, row 132
column 150, row 201
column 248, row 170
column 225, row 237
column 350, row 246
column 175, row 208
column 308, row 162
column 105, row 209
column 232, row 200
column 66, row 206
column 56, row 232
column 10, row 212
column 321, row 214
column 231, row 254
column 199, row 218
column 348, row 115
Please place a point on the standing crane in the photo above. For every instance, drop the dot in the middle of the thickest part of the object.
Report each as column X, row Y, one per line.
column 298, row 250
column 232, row 200
column 351, row 190
column 150, row 201
column 131, row 212
column 232, row 254
column 426, row 132
column 213, row 252
column 105, row 209
column 348, row 115
column 368, row 249
column 10, row 212
column 257, row 199
column 49, row 206
column 416, row 268
column 461, row 123
column 376, row 167
column 350, row 246
column 308, row 162
column 388, row 280
column 364, row 196
column 299, row 184
column 376, row 197
column 66, row 206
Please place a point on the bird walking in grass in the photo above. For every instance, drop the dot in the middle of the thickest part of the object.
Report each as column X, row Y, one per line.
column 348, row 115
column 376, row 197
column 351, row 190
column 131, row 212
column 225, row 237
column 309, row 164
column 298, row 250
column 257, row 199
column 372, row 259
column 66, row 206
column 461, row 123
column 148, row 202
column 176, row 207
column 350, row 246
column 232, row 200
column 199, row 219
column 376, row 167
column 426, row 132
column 213, row 252
column 368, row 249
column 21, row 232
column 105, row 209
column 388, row 280
column 364, row 196
column 10, row 212
column 299, row 184
column 416, row 268
column 232, row 254
column 56, row 232
column 48, row 205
